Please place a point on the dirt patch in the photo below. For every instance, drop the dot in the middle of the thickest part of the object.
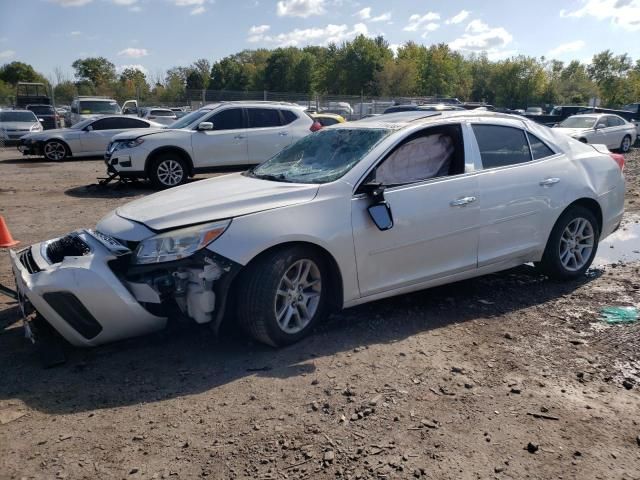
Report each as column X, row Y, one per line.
column 505, row 376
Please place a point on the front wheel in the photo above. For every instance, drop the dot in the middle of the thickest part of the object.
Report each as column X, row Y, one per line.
column 283, row 295
column 168, row 170
column 55, row 151
column 572, row 244
column 625, row 146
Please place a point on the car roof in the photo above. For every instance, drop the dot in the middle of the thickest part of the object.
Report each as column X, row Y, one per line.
column 95, row 99
column 401, row 120
column 254, row 103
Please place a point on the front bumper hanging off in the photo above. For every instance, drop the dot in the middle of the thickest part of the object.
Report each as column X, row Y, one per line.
column 81, row 296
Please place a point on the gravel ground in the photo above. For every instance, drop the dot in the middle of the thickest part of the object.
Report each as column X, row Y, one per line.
column 505, row 376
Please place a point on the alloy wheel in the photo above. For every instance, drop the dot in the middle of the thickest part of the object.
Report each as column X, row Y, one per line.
column 55, row 151
column 170, row 172
column 626, row 144
column 298, row 296
column 576, row 244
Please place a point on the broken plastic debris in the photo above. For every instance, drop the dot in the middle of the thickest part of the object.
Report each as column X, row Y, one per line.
column 613, row 315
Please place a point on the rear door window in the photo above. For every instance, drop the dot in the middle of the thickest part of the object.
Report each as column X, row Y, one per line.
column 263, row 117
column 501, row 146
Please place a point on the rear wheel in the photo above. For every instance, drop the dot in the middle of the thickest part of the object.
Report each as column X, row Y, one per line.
column 55, row 151
column 572, row 244
column 625, row 146
column 168, row 170
column 283, row 295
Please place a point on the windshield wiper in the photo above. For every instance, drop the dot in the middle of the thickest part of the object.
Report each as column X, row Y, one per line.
column 267, row 176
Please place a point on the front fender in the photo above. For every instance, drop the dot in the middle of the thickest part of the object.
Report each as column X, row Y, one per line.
column 325, row 222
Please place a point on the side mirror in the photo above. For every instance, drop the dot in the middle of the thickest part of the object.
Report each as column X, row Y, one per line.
column 600, row 125
column 205, row 126
column 379, row 210
column 89, row 128
column 381, row 215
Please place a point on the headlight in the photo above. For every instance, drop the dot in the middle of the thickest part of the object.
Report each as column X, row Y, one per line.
column 36, row 127
column 178, row 244
column 120, row 144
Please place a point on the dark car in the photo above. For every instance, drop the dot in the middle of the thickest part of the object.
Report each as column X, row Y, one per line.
column 48, row 115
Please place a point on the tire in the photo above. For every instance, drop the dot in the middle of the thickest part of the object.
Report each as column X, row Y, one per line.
column 55, row 150
column 559, row 260
column 168, row 170
column 266, row 307
column 625, row 145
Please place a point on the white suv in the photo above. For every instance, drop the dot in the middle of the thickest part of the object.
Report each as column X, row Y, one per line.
column 215, row 137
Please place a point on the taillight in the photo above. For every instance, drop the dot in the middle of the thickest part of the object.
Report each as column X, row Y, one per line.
column 619, row 159
column 315, row 126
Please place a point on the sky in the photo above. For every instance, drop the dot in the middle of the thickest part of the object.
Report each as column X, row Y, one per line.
column 158, row 34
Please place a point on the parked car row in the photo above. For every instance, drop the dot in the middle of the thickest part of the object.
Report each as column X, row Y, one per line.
column 352, row 213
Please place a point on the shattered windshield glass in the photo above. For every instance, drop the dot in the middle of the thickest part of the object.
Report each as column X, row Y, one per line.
column 321, row 157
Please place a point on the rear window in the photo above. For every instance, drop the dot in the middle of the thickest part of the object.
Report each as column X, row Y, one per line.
column 327, row 121
column 162, row 113
column 42, row 109
column 501, row 146
column 97, row 106
column 263, row 117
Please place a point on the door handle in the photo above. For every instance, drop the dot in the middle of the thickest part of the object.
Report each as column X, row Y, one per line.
column 461, row 202
column 283, row 134
column 239, row 137
column 547, row 182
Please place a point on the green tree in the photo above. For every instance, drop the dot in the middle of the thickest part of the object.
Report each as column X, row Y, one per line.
column 398, row 77
column 7, row 93
column 15, row 72
column 358, row 62
column 575, row 85
column 610, row 73
column 65, row 92
column 133, row 84
column 97, row 70
column 444, row 72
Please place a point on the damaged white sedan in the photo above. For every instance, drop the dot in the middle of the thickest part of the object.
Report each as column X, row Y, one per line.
column 353, row 213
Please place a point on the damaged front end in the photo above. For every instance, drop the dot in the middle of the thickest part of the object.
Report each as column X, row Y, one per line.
column 95, row 288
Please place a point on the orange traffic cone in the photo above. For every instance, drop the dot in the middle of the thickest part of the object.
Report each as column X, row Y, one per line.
column 6, row 240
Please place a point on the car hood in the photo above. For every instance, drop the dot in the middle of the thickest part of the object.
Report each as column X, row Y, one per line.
column 573, row 131
column 217, row 198
column 17, row 125
column 145, row 132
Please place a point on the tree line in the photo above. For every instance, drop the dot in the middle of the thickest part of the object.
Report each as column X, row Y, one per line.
column 363, row 66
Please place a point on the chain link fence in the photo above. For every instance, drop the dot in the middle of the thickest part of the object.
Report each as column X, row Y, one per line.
column 352, row 107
